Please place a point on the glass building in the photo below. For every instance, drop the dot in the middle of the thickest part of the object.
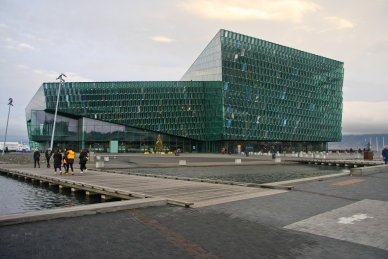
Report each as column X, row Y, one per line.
column 241, row 93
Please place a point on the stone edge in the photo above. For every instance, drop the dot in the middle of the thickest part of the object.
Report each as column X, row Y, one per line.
column 361, row 171
column 34, row 216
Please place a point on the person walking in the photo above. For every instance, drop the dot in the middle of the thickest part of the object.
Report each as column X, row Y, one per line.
column 36, row 158
column 70, row 160
column 384, row 153
column 48, row 154
column 57, row 161
column 83, row 158
column 64, row 160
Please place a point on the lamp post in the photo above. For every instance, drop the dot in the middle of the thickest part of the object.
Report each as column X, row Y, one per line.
column 61, row 81
column 10, row 100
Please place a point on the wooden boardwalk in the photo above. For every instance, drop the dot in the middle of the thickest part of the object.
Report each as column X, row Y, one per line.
column 180, row 192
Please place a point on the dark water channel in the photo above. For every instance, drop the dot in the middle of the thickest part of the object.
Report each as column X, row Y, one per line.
column 20, row 196
column 247, row 174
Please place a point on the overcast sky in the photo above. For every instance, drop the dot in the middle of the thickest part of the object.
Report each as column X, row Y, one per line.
column 154, row 40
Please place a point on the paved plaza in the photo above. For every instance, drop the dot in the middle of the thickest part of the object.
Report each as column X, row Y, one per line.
column 344, row 217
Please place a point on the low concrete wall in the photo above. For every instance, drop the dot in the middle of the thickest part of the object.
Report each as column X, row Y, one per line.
column 361, row 171
column 78, row 211
column 289, row 183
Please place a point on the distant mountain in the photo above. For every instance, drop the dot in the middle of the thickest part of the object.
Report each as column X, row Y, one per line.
column 360, row 141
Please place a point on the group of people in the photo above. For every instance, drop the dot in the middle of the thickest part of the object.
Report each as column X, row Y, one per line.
column 65, row 160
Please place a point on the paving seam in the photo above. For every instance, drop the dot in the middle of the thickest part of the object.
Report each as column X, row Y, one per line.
column 385, row 178
column 177, row 239
column 327, row 195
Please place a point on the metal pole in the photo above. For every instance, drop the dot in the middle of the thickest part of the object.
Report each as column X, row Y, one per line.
column 61, row 81
column 6, row 128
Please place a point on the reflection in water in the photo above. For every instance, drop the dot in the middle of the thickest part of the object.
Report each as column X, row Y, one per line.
column 19, row 196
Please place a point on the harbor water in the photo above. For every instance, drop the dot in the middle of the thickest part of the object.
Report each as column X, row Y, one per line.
column 19, row 196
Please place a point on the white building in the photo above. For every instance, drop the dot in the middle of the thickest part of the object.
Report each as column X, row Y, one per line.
column 15, row 147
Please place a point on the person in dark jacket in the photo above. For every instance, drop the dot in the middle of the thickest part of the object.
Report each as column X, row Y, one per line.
column 64, row 160
column 36, row 158
column 274, row 153
column 83, row 158
column 384, row 153
column 57, row 161
column 48, row 154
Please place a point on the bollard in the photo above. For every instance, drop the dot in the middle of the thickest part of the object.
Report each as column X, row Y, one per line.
column 278, row 160
column 106, row 158
column 91, row 156
column 182, row 162
column 99, row 164
column 237, row 161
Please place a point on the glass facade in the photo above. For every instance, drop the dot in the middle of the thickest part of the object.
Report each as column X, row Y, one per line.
column 97, row 136
column 241, row 91
column 275, row 93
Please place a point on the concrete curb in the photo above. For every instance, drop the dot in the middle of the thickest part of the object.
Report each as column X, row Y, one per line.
column 78, row 211
column 361, row 171
column 304, row 180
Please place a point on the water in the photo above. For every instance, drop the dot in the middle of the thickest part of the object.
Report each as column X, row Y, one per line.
column 19, row 196
column 248, row 174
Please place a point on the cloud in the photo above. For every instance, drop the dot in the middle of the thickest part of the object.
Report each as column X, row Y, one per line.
column 13, row 44
column 243, row 10
column 364, row 117
column 162, row 39
column 17, row 129
column 49, row 76
column 3, row 26
column 23, row 66
column 75, row 77
column 25, row 46
column 304, row 28
column 339, row 23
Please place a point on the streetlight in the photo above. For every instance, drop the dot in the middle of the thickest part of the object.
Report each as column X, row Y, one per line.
column 10, row 100
column 61, row 81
